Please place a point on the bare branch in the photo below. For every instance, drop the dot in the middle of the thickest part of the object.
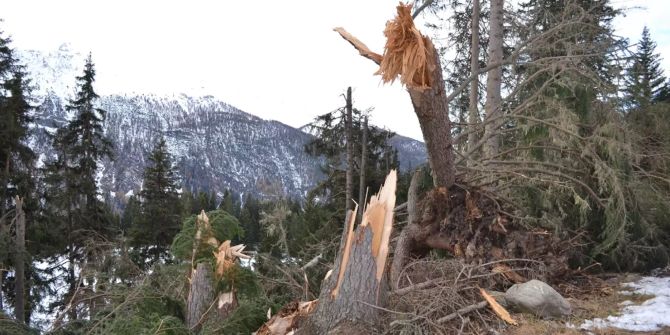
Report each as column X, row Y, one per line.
column 423, row 6
column 360, row 46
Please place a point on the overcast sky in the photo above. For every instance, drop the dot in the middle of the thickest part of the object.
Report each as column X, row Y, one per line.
column 275, row 59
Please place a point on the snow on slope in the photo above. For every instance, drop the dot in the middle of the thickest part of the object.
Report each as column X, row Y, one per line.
column 652, row 315
column 214, row 145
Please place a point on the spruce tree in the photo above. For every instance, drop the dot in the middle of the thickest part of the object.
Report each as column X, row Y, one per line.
column 160, row 206
column 330, row 143
column 73, row 209
column 16, row 172
column 83, row 144
column 16, row 158
column 645, row 82
column 663, row 93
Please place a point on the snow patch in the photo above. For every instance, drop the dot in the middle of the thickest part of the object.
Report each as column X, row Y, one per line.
column 652, row 315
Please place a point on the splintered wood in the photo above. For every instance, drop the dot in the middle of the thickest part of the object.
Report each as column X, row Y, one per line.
column 286, row 320
column 379, row 215
column 407, row 52
column 499, row 310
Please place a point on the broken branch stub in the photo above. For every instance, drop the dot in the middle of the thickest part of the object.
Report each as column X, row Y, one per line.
column 363, row 49
column 407, row 53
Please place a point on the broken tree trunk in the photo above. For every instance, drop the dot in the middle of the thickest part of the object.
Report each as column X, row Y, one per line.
column 412, row 57
column 202, row 303
column 200, row 296
column 348, row 299
column 432, row 110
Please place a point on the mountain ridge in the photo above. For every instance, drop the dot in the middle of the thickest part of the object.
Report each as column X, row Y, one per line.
column 214, row 145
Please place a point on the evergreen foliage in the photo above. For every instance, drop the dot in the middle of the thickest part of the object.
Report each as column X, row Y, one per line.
column 80, row 145
column 645, row 82
column 330, row 143
column 224, row 227
column 16, row 172
column 160, row 208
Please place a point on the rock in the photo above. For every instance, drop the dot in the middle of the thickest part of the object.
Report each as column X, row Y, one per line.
column 538, row 298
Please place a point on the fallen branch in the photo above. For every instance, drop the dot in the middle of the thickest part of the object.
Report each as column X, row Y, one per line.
column 462, row 311
column 419, row 286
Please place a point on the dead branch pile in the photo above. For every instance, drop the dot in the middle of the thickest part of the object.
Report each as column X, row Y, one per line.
column 438, row 296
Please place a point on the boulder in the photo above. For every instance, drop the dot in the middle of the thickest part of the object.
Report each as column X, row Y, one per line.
column 538, row 298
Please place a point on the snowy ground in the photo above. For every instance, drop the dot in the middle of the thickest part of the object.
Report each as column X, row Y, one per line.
column 651, row 315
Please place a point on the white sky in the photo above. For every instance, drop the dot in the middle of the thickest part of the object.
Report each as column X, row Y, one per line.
column 275, row 59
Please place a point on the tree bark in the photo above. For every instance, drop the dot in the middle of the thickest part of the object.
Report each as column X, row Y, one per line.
column 473, row 111
column 364, row 156
column 20, row 244
column 348, row 125
column 432, row 110
column 200, row 296
column 406, row 240
column 493, row 106
column 72, row 283
column 358, row 293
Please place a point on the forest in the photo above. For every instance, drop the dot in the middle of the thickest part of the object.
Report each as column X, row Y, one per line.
column 548, row 141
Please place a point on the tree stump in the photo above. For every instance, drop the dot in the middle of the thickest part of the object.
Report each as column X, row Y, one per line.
column 199, row 296
column 350, row 296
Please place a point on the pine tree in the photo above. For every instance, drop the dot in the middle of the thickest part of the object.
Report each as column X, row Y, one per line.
column 16, row 158
column 645, row 82
column 250, row 221
column 73, row 208
column 83, row 144
column 663, row 93
column 331, row 144
column 160, row 206
column 16, row 174
column 131, row 213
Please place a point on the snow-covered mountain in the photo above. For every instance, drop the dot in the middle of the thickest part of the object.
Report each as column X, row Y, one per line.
column 215, row 146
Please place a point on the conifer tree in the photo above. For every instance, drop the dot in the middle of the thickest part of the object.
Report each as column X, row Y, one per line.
column 74, row 211
column 331, row 144
column 83, row 144
column 16, row 158
column 160, row 206
column 645, row 82
column 131, row 213
column 16, row 170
